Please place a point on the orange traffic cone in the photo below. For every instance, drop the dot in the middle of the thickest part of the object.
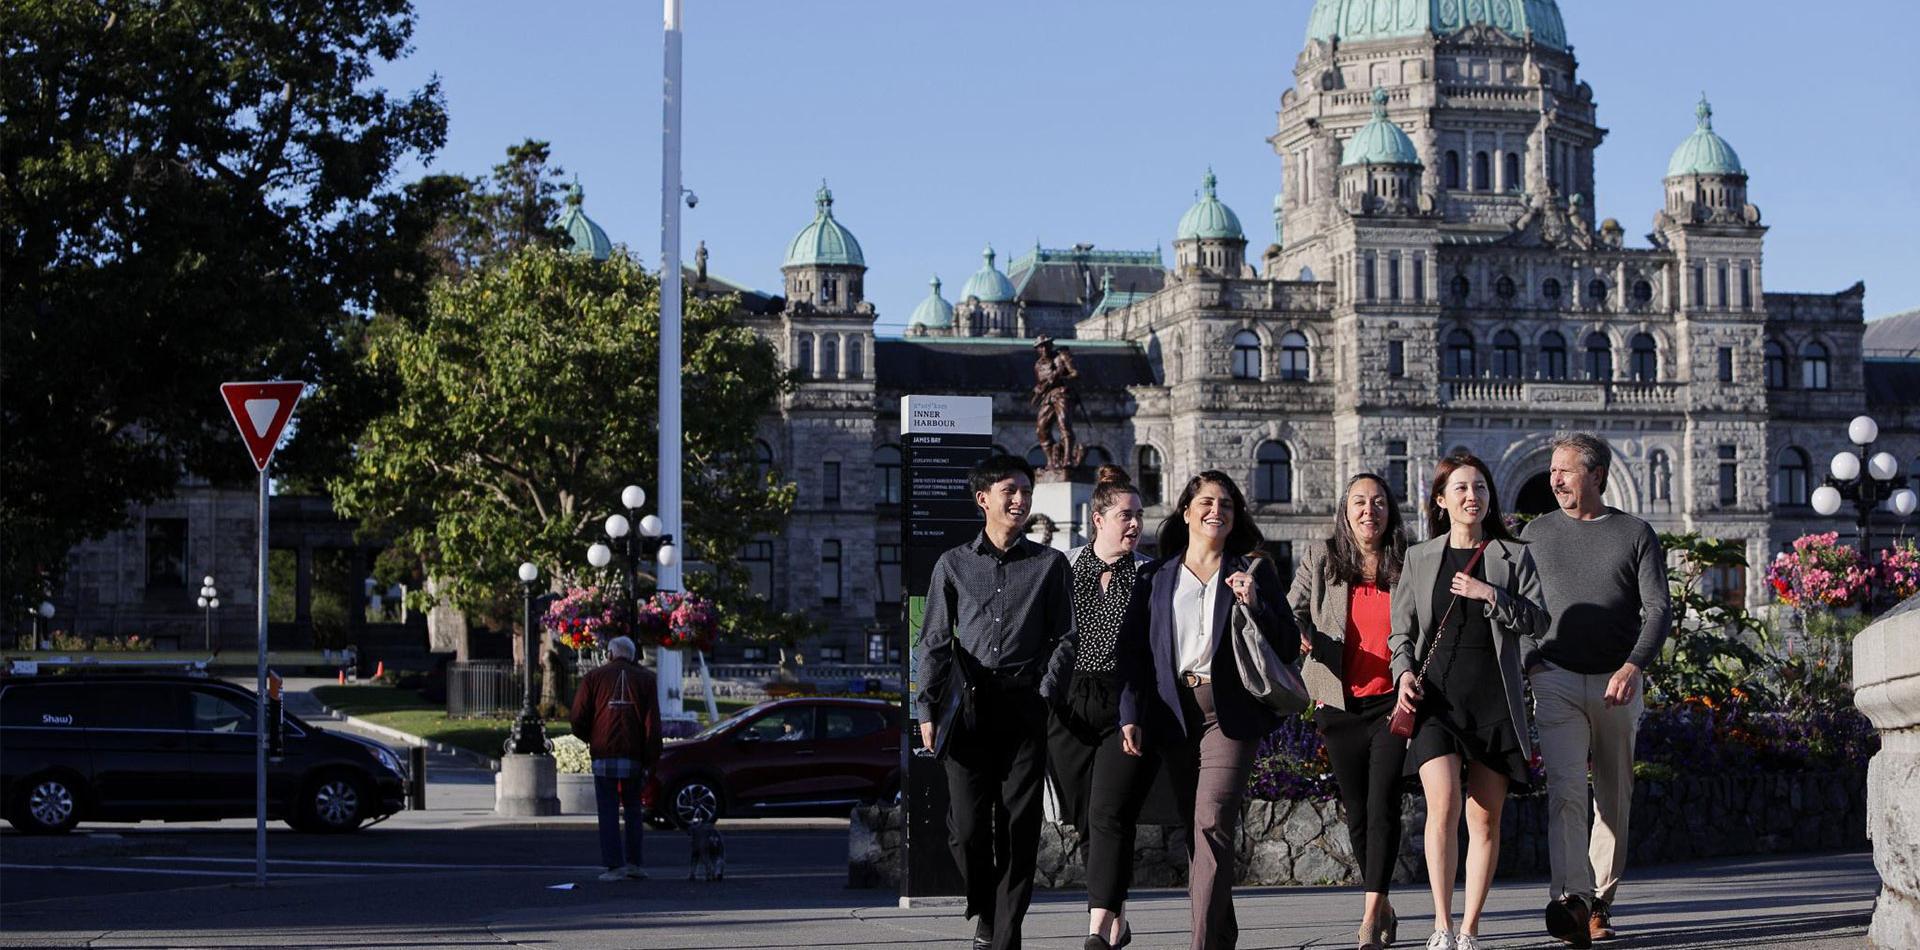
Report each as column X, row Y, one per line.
column 380, row 669
column 343, row 676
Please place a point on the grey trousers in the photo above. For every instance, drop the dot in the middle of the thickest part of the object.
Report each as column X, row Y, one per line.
column 1578, row 728
column 1209, row 773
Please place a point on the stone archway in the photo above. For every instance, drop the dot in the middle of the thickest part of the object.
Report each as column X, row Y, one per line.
column 1535, row 496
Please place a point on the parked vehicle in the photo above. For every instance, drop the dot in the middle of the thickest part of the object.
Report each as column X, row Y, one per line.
column 803, row 755
column 130, row 747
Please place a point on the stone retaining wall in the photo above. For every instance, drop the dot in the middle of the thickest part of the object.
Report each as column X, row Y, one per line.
column 1292, row 843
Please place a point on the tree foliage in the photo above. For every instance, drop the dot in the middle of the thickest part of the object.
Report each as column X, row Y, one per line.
column 190, row 192
column 527, row 399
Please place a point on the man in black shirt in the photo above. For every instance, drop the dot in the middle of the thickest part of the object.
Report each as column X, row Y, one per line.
column 998, row 621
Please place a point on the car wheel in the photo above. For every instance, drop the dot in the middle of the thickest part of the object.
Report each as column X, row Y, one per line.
column 48, row 805
column 695, row 800
column 333, row 804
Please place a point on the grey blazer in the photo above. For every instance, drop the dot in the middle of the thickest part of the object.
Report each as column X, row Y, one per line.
column 1519, row 616
column 1320, row 608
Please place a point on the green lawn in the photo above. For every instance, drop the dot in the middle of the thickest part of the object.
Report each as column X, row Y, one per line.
column 405, row 710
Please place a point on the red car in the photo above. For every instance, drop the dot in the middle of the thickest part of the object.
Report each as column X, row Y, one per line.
column 806, row 755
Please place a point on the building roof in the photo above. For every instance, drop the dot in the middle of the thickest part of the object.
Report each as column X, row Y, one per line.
column 991, row 365
column 1704, row 152
column 1892, row 337
column 825, row 241
column 584, row 237
column 1380, row 142
column 1073, row 276
column 1209, row 218
column 1891, row 384
column 934, row 313
column 1357, row 21
column 987, row 283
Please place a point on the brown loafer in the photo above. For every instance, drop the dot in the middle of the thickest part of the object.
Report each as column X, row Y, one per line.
column 1569, row 920
column 1600, row 921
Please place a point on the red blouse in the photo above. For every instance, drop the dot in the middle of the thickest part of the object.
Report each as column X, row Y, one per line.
column 1369, row 620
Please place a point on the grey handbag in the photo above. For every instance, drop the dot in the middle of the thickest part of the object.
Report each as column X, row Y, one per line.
column 1276, row 684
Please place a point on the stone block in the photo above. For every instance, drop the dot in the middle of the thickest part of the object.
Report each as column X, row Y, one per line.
column 526, row 786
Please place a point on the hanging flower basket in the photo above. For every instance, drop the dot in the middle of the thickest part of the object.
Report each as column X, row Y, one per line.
column 1900, row 570
column 585, row 618
column 1819, row 572
column 679, row 621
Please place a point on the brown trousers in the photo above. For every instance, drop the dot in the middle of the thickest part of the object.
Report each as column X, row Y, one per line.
column 1209, row 773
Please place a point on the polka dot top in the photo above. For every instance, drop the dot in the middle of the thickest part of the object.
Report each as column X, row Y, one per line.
column 1097, row 613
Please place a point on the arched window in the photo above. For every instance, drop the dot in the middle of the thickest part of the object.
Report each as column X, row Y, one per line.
column 829, row 358
column 803, row 357
column 1599, row 357
column 1644, row 362
column 1482, row 172
column 1553, row 356
column 1294, row 359
column 1659, row 476
column 1246, row 355
column 1813, row 366
column 1596, row 291
column 1504, row 287
column 762, row 459
column 856, row 361
column 886, row 467
column 1453, row 168
column 1460, row 286
column 1792, row 478
column 1460, row 362
column 1550, row 290
column 1506, row 354
column 1776, row 358
column 1273, row 474
column 1642, row 292
column 1512, row 163
column 1149, row 476
column 1306, row 274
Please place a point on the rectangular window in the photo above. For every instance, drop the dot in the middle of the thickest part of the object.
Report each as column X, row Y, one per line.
column 880, row 649
column 1397, row 470
column 1396, row 359
column 833, row 654
column 1729, row 476
column 830, row 483
column 1726, row 364
column 167, row 553
column 753, row 654
column 1699, row 286
column 757, row 557
column 1420, row 278
column 1367, row 278
column 887, row 567
column 1720, row 285
column 830, row 572
column 1393, row 277
column 1746, row 287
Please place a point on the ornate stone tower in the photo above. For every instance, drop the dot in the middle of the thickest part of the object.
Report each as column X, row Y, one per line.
column 1209, row 241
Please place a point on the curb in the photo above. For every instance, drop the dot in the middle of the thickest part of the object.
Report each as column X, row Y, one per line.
column 407, row 738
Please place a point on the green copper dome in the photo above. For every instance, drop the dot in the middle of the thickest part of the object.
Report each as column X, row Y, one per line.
column 934, row 313
column 1358, row 21
column 1704, row 152
column 1380, row 142
column 824, row 241
column 1208, row 218
column 583, row 236
column 988, row 284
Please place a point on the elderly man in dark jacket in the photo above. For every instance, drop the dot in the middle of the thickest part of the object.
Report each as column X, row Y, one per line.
column 617, row 713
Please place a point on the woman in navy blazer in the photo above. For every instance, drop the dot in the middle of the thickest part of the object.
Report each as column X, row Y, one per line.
column 1183, row 690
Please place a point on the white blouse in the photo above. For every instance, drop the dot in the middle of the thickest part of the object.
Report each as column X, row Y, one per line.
column 1193, row 633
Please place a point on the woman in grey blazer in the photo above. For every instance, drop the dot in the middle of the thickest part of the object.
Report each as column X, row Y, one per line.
column 1341, row 600
column 1469, row 706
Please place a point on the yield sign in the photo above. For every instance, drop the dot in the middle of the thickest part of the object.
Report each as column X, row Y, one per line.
column 261, row 410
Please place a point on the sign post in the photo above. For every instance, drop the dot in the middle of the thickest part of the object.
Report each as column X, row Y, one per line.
column 942, row 438
column 260, row 411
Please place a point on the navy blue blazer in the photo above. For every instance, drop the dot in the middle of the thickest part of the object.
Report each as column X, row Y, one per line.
column 1150, row 697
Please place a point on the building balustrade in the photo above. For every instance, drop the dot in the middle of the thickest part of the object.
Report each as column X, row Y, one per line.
column 1585, row 394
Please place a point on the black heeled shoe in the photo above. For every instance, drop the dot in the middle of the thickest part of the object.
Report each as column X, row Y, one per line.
column 1126, row 935
column 1096, row 942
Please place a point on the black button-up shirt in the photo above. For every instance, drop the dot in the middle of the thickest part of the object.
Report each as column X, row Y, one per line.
column 1011, row 611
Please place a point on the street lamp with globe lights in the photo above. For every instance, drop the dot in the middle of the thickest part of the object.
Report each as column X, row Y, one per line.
column 43, row 618
column 209, row 602
column 529, row 735
column 1878, row 483
column 649, row 542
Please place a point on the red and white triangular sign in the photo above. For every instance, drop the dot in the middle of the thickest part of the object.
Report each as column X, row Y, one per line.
column 261, row 411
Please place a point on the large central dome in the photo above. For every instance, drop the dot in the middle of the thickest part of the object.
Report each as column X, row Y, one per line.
column 1356, row 21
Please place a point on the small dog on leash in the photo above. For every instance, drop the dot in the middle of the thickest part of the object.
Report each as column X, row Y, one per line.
column 707, row 851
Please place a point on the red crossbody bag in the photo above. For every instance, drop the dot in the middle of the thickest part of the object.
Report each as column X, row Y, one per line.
column 1402, row 722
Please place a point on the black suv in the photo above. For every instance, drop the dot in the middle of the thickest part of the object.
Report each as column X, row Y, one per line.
column 126, row 747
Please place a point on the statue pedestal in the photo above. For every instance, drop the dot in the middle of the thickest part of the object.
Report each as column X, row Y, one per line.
column 1069, row 505
column 527, row 786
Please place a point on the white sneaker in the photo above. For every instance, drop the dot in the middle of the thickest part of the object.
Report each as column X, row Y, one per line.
column 633, row 872
column 1441, row 940
column 1466, row 941
column 614, row 874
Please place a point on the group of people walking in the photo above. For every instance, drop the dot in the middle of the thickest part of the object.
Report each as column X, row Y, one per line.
column 1114, row 673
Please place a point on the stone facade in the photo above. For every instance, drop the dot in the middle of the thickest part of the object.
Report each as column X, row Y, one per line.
column 1886, row 682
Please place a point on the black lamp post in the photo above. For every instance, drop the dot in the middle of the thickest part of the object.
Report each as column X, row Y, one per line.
column 1866, row 480
column 529, row 735
column 649, row 543
column 209, row 601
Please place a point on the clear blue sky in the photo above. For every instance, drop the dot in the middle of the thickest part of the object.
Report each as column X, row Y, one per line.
column 943, row 126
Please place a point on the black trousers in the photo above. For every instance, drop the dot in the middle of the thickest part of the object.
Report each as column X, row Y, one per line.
column 1102, row 788
column 995, row 769
column 1367, row 760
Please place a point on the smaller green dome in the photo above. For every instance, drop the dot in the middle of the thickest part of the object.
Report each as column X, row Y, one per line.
column 1380, row 142
column 583, row 236
column 1209, row 218
column 1704, row 152
column 987, row 283
column 824, row 241
column 934, row 313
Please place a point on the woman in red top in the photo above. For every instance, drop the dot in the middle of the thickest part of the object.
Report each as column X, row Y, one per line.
column 1341, row 597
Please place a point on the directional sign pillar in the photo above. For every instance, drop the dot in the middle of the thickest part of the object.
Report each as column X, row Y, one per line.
column 261, row 411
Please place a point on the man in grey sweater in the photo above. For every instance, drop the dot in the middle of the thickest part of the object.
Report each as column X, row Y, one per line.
column 1604, row 576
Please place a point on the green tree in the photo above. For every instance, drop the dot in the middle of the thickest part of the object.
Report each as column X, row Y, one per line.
column 190, row 192
column 526, row 400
